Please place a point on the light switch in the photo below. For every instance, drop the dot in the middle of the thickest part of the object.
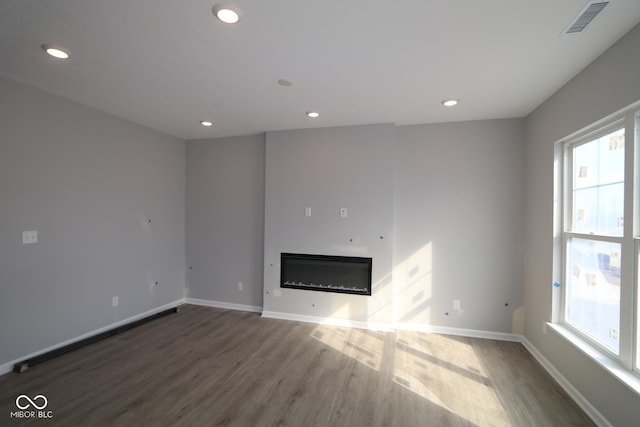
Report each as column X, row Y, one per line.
column 343, row 212
column 307, row 211
column 29, row 237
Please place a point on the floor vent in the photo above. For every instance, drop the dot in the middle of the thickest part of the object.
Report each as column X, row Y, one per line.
column 588, row 14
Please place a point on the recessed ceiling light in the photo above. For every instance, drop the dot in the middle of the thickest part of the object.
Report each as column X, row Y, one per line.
column 313, row 114
column 449, row 102
column 226, row 13
column 285, row 82
column 55, row 52
column 206, row 123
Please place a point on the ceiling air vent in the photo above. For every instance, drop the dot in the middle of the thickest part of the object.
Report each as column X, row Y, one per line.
column 588, row 14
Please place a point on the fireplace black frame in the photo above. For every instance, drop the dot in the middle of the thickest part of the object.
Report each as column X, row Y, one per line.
column 365, row 265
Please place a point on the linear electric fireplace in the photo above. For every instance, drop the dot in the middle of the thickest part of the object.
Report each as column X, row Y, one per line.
column 328, row 273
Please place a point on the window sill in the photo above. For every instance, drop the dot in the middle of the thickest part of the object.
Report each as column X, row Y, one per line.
column 622, row 374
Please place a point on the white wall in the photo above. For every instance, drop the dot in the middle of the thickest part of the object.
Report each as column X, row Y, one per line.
column 607, row 85
column 88, row 183
column 447, row 198
column 328, row 169
column 225, row 219
column 458, row 225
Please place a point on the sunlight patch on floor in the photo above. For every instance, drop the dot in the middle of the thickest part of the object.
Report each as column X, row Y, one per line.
column 362, row 345
column 447, row 372
column 441, row 369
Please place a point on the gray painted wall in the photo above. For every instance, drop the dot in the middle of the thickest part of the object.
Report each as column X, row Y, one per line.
column 225, row 219
column 448, row 199
column 458, row 224
column 328, row 169
column 607, row 85
column 88, row 183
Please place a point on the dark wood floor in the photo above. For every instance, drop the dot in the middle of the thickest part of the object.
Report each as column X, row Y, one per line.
column 214, row 367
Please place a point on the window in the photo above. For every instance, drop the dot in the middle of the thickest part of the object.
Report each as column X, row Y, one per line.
column 599, row 239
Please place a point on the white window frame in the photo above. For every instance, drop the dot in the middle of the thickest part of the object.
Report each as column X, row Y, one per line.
column 628, row 356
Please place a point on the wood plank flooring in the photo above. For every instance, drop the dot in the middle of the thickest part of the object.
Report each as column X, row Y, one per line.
column 213, row 367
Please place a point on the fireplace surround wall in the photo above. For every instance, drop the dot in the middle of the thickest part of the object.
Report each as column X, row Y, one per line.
column 325, row 170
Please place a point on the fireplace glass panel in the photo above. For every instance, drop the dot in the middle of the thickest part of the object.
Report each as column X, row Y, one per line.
column 327, row 273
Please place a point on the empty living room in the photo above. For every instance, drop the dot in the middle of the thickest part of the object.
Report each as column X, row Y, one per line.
column 337, row 213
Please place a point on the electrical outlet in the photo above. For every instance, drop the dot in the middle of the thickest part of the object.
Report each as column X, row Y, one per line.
column 29, row 237
column 456, row 304
column 114, row 301
column 239, row 286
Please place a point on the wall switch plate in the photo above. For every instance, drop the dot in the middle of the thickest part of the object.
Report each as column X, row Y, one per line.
column 114, row 301
column 343, row 212
column 456, row 304
column 307, row 211
column 239, row 286
column 29, row 237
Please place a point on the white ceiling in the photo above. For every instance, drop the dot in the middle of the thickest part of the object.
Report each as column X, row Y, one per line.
column 167, row 64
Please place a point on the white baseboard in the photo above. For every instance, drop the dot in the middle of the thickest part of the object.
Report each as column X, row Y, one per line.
column 220, row 304
column 328, row 321
column 8, row 367
column 587, row 407
column 470, row 333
